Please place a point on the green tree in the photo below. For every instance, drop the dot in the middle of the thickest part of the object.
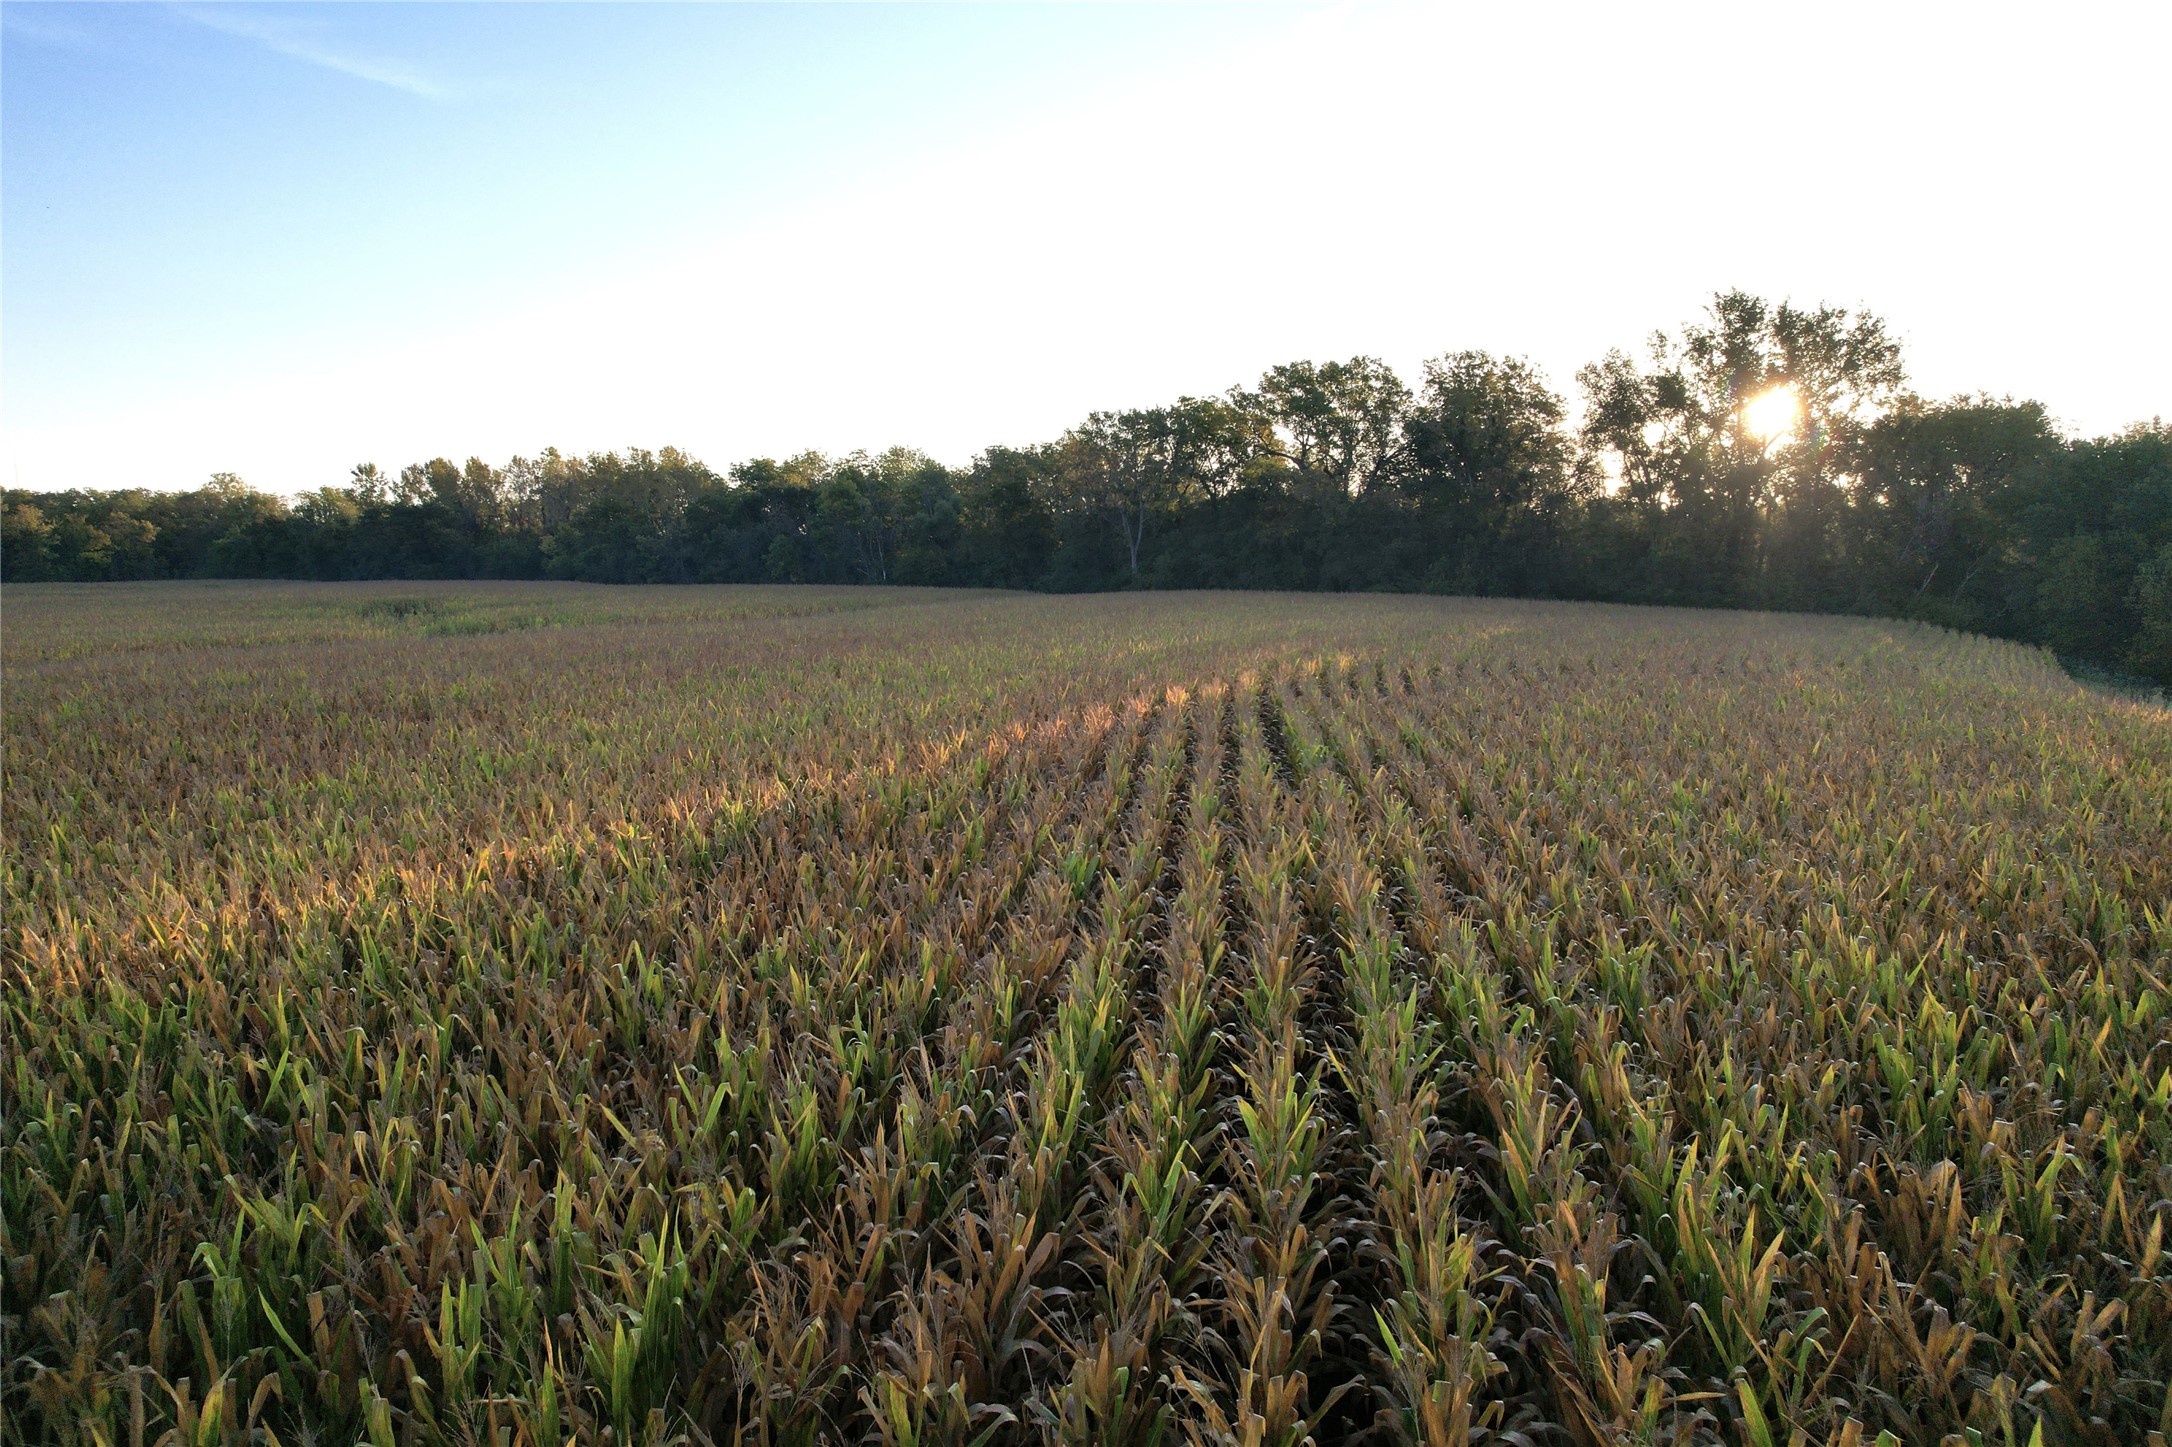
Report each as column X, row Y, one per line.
column 26, row 543
column 1336, row 425
column 1135, row 465
column 867, row 503
column 1927, row 482
column 2150, row 654
column 1009, row 529
column 1734, row 487
column 80, row 549
column 2084, row 529
column 1489, row 470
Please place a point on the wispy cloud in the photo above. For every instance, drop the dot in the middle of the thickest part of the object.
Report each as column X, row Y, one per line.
column 284, row 38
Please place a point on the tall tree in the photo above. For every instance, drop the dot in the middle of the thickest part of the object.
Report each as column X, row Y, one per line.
column 1754, row 404
column 1926, row 479
column 869, row 503
column 1132, row 465
column 1489, row 469
column 1336, row 424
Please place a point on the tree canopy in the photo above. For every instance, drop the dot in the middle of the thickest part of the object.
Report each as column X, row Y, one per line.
column 1762, row 455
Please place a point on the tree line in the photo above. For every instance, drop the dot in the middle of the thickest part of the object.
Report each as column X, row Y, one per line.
column 1762, row 455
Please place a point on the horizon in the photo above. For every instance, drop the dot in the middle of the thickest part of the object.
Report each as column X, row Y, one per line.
column 281, row 240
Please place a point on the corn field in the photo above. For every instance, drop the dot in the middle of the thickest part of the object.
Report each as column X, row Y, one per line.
column 527, row 1014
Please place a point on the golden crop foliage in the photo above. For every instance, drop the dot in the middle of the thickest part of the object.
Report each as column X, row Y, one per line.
column 507, row 1013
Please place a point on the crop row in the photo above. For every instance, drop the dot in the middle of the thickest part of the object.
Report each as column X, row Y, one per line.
column 1243, row 1024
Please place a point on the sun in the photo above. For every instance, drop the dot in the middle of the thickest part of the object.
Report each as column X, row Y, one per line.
column 1773, row 414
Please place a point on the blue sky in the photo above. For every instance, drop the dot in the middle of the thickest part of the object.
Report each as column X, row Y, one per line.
column 195, row 185
column 283, row 239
